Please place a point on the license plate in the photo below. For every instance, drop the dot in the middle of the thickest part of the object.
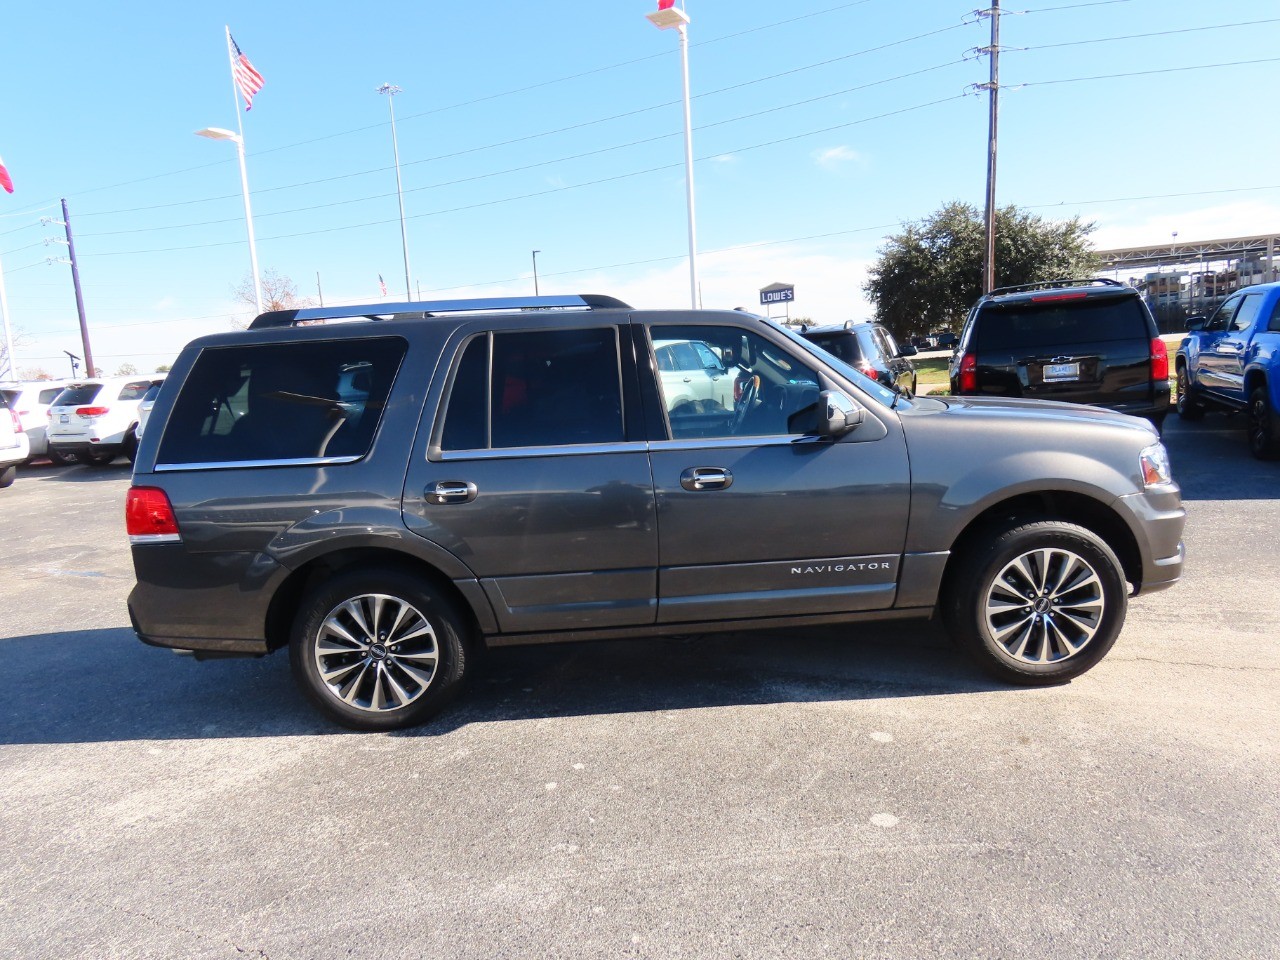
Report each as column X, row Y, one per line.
column 64, row 418
column 1061, row 371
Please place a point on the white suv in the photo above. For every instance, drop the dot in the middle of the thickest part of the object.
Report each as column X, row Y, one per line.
column 30, row 399
column 13, row 443
column 94, row 420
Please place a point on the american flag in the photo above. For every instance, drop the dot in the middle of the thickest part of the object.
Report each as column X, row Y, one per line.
column 382, row 284
column 247, row 78
column 6, row 181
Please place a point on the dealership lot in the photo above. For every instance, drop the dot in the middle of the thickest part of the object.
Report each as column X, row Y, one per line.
column 843, row 792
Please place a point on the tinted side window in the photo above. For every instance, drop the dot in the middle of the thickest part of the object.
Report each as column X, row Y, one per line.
column 1222, row 316
column 47, row 396
column 290, row 401
column 1028, row 324
column 542, row 388
column 1274, row 323
column 135, row 390
column 1248, row 310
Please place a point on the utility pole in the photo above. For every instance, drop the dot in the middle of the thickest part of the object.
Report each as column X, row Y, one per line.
column 319, row 292
column 65, row 222
column 993, row 89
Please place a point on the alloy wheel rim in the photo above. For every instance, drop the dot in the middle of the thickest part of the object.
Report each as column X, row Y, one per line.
column 1258, row 425
column 1045, row 606
column 376, row 652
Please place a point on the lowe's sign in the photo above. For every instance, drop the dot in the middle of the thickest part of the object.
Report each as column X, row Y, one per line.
column 777, row 293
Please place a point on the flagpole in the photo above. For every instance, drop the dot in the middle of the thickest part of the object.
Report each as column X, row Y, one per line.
column 244, row 175
column 8, row 333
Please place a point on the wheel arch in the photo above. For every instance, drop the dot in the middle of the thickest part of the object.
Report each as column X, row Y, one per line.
column 284, row 602
column 1064, row 505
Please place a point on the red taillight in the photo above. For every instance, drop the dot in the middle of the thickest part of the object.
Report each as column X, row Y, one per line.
column 92, row 411
column 17, row 423
column 1159, row 360
column 149, row 514
column 969, row 373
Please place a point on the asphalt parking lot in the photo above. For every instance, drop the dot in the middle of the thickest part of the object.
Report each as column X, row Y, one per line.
column 836, row 792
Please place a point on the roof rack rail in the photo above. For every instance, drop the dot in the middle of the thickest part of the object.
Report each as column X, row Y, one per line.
column 424, row 309
column 1049, row 284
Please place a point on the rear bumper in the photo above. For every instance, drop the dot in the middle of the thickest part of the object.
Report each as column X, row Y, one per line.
column 73, row 447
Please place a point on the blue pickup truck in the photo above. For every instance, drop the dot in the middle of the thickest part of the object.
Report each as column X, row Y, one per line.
column 1230, row 361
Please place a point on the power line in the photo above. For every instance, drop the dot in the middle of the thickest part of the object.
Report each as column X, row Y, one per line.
column 549, row 191
column 540, row 163
column 545, row 133
column 1142, row 36
column 1146, row 73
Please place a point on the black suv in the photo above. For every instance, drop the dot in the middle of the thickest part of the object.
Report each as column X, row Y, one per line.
column 384, row 497
column 870, row 348
column 1080, row 341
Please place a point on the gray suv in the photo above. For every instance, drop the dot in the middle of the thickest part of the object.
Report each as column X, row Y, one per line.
column 387, row 496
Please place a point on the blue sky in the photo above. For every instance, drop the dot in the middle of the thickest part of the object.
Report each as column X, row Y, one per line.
column 819, row 125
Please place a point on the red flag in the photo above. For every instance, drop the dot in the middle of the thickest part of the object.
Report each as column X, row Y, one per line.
column 6, row 181
column 382, row 285
column 666, row 4
column 248, row 80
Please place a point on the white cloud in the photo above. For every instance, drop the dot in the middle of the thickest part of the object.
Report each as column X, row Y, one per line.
column 725, row 158
column 1141, row 228
column 833, row 158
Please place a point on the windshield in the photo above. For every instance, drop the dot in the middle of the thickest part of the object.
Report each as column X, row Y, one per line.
column 865, row 383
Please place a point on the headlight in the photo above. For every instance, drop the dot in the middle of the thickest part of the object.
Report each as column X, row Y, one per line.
column 1155, row 465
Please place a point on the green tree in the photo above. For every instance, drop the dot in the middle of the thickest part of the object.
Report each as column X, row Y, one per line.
column 126, row 370
column 929, row 275
column 163, row 368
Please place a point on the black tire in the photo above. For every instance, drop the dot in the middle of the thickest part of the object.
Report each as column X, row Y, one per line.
column 98, row 459
column 7, row 475
column 1264, row 437
column 1157, row 421
column 130, row 448
column 368, row 664
column 1189, row 408
column 1094, row 592
column 60, row 459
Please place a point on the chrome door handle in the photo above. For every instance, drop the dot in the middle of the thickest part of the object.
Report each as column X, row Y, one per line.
column 451, row 491
column 706, row 478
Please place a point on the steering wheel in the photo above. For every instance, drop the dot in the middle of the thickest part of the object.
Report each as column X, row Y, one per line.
column 750, row 388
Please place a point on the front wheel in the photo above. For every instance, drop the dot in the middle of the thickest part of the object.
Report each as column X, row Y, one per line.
column 378, row 649
column 1264, row 438
column 7, row 475
column 1038, row 603
column 1189, row 408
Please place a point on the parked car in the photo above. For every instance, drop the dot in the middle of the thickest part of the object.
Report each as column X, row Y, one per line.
column 870, row 349
column 1231, row 361
column 692, row 372
column 14, row 446
column 1081, row 341
column 515, row 474
column 94, row 420
column 945, row 339
column 31, row 400
column 144, row 408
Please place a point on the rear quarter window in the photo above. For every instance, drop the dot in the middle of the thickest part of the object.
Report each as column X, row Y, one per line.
column 1028, row 325
column 280, row 402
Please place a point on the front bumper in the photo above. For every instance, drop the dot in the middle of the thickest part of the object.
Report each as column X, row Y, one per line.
column 1156, row 518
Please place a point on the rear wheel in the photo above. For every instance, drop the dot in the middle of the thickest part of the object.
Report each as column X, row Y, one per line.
column 7, row 476
column 60, row 459
column 1189, row 408
column 96, row 459
column 378, row 649
column 1264, row 438
column 130, row 449
column 1038, row 603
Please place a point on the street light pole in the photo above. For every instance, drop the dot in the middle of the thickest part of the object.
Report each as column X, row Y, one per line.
column 535, row 272
column 391, row 90
column 218, row 133
column 666, row 17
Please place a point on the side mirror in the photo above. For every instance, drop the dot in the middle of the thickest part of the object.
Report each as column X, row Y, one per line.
column 907, row 351
column 1195, row 323
column 837, row 414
